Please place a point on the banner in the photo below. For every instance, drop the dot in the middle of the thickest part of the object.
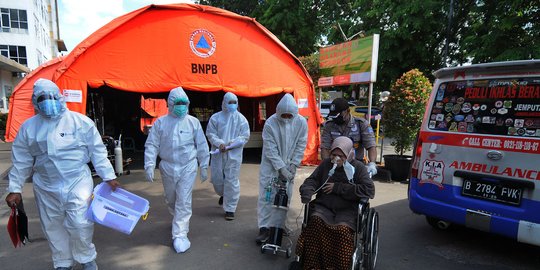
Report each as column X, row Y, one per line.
column 351, row 62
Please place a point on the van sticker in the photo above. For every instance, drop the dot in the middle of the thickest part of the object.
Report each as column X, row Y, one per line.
column 507, row 104
column 493, row 111
column 460, row 100
column 483, row 107
column 499, row 122
column 432, row 124
column 530, row 132
column 440, row 92
column 456, row 108
column 459, row 117
column 498, row 103
column 508, row 122
column 442, row 125
column 470, row 127
column 453, row 99
column 439, row 117
column 462, row 127
column 469, row 118
column 432, row 172
column 502, row 111
column 439, row 105
column 448, row 107
column 521, row 131
column 476, row 107
column 519, row 123
column 512, row 131
column 449, row 117
column 453, row 126
column 433, row 117
column 466, row 107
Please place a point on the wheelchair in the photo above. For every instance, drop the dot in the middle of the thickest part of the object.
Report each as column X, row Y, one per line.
column 366, row 238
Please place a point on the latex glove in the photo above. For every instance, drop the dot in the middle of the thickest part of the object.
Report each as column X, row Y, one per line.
column 292, row 169
column 204, row 174
column 149, row 174
column 286, row 174
column 372, row 169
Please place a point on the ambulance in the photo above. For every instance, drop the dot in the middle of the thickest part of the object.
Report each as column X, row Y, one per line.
column 476, row 161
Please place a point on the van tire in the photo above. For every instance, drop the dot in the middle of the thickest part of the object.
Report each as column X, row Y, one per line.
column 439, row 224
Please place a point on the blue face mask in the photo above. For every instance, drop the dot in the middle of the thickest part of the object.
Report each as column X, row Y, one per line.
column 180, row 110
column 50, row 107
column 232, row 107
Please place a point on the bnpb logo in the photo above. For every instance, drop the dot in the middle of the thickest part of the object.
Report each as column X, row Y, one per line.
column 202, row 43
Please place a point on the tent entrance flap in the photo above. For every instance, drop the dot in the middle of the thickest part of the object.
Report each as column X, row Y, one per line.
column 118, row 112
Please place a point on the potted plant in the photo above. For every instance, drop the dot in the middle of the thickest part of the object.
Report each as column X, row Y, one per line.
column 402, row 117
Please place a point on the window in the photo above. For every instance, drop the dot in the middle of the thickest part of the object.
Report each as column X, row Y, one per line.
column 14, row 20
column 509, row 106
column 16, row 53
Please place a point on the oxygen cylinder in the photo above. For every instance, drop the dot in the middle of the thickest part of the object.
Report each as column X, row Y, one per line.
column 118, row 160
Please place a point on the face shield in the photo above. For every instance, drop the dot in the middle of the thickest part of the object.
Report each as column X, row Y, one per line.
column 47, row 98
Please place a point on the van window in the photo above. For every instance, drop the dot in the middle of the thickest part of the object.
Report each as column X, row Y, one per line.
column 509, row 106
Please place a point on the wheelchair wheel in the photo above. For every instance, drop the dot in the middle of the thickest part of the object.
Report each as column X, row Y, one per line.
column 371, row 245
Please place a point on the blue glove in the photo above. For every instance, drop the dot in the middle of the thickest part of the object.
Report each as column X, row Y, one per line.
column 372, row 169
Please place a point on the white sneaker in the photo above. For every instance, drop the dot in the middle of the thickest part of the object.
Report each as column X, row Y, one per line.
column 181, row 244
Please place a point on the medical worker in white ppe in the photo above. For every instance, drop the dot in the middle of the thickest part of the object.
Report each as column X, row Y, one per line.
column 178, row 139
column 227, row 132
column 284, row 141
column 53, row 147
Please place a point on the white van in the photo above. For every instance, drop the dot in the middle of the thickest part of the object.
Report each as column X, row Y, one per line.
column 477, row 158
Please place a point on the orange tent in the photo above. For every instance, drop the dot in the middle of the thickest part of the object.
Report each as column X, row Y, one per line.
column 159, row 47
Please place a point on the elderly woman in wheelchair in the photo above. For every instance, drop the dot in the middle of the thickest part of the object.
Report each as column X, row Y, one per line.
column 341, row 183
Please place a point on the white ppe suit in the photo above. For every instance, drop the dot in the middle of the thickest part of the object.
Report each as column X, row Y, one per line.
column 227, row 128
column 54, row 151
column 284, row 142
column 180, row 143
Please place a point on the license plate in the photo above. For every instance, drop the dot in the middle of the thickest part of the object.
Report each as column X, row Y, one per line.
column 491, row 191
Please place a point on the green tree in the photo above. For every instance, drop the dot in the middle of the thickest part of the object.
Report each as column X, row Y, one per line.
column 404, row 109
column 501, row 31
column 295, row 23
column 242, row 7
column 412, row 34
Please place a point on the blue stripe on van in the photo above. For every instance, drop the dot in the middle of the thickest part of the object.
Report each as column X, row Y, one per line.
column 448, row 204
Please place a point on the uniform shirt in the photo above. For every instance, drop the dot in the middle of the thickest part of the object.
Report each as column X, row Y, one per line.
column 358, row 130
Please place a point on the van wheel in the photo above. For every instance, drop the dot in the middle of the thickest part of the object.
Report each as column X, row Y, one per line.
column 438, row 224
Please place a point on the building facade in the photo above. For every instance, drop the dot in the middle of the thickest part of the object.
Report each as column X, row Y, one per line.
column 29, row 37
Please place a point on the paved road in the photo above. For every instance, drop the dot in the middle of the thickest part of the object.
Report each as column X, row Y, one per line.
column 406, row 241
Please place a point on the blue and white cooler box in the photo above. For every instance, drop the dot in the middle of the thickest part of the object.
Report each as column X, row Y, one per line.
column 119, row 210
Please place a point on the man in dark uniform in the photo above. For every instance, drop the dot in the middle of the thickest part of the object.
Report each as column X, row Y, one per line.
column 342, row 123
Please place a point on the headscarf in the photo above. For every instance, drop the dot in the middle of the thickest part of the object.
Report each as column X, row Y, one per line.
column 344, row 144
